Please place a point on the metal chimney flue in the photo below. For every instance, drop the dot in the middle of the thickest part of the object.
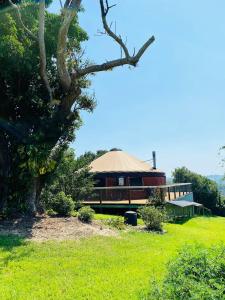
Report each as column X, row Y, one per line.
column 154, row 159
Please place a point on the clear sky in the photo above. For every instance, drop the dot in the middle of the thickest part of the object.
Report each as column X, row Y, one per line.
column 174, row 101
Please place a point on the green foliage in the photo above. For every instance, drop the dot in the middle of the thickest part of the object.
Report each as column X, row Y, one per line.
column 152, row 217
column 90, row 156
column 117, row 222
column 156, row 200
column 30, row 125
column 62, row 204
column 74, row 214
column 86, row 214
column 72, row 177
column 205, row 190
column 50, row 212
column 196, row 273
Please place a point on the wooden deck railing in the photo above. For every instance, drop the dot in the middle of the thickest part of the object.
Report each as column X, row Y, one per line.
column 137, row 194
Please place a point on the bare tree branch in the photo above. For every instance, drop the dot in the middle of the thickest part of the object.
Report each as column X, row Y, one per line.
column 42, row 49
column 69, row 81
column 133, row 60
column 142, row 50
column 17, row 9
column 60, row 1
column 118, row 39
column 68, row 14
column 128, row 60
column 73, row 4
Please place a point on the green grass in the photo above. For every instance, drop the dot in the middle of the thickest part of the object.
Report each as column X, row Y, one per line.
column 104, row 217
column 98, row 267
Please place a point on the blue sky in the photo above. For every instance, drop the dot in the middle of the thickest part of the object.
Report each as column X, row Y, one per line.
column 173, row 102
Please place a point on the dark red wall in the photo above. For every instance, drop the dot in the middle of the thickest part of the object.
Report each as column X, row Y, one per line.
column 151, row 179
column 147, row 181
column 154, row 180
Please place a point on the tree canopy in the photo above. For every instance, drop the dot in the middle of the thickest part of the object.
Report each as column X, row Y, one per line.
column 205, row 190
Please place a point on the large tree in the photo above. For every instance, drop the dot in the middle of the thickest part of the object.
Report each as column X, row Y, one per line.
column 43, row 79
column 205, row 190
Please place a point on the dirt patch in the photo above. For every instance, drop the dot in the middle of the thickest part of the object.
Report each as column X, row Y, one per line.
column 46, row 228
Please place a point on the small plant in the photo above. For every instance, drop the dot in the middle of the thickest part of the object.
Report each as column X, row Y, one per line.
column 77, row 205
column 156, row 199
column 50, row 212
column 117, row 223
column 152, row 217
column 86, row 214
column 62, row 204
column 74, row 213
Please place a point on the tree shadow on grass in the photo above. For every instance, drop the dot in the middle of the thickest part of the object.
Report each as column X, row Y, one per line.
column 183, row 220
column 13, row 235
column 9, row 242
column 180, row 220
column 13, row 248
column 19, row 228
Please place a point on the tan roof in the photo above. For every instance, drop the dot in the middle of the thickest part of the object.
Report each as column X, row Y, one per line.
column 119, row 161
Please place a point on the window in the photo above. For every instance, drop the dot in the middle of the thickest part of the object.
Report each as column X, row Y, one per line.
column 121, row 181
column 100, row 182
column 136, row 181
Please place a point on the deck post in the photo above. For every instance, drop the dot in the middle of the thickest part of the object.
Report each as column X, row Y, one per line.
column 100, row 197
column 168, row 193
column 161, row 195
column 179, row 192
column 129, row 197
column 175, row 196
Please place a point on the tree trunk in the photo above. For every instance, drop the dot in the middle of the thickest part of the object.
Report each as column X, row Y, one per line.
column 4, row 171
column 32, row 197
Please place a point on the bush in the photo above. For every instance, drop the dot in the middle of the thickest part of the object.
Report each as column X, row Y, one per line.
column 205, row 190
column 117, row 223
column 86, row 214
column 152, row 217
column 62, row 204
column 50, row 212
column 196, row 273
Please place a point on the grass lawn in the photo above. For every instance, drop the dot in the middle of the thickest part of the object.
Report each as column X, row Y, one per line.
column 98, row 267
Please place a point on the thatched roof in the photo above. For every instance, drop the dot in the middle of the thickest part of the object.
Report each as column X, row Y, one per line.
column 119, row 161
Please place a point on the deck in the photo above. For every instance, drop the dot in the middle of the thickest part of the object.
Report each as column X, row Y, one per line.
column 128, row 196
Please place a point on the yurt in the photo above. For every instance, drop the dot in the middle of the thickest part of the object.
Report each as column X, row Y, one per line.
column 118, row 168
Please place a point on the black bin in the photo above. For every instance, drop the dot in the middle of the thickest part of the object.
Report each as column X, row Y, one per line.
column 130, row 218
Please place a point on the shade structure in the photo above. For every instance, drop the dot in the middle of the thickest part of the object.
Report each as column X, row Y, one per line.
column 183, row 203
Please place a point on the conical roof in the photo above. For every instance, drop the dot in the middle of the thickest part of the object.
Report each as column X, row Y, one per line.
column 119, row 161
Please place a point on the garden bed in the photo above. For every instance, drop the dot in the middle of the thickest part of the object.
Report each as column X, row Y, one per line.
column 47, row 228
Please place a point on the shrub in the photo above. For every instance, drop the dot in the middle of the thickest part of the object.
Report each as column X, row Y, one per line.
column 117, row 223
column 50, row 212
column 152, row 217
column 62, row 204
column 74, row 213
column 196, row 273
column 86, row 214
column 156, row 199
